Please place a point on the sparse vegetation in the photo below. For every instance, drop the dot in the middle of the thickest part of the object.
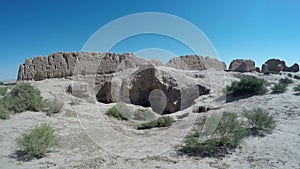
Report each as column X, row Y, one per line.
column 23, row 97
column 75, row 102
column 4, row 113
column 143, row 115
column 259, row 121
column 279, row 88
column 226, row 137
column 184, row 115
column 247, row 86
column 297, row 77
column 228, row 134
column 54, row 106
column 192, row 146
column 114, row 112
column 297, row 88
column 3, row 90
column 270, row 72
column 38, row 141
column 230, row 130
column 289, row 75
column 164, row 121
column 286, row 81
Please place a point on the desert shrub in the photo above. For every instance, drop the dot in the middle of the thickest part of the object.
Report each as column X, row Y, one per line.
column 226, row 137
column 143, row 115
column 164, row 121
column 54, row 106
column 192, row 146
column 230, row 130
column 38, row 141
column 4, row 113
column 270, row 72
column 282, row 85
column 297, row 88
column 75, row 102
column 296, row 77
column 3, row 90
column 259, row 121
column 289, row 75
column 23, row 97
column 247, row 86
column 279, row 88
column 114, row 112
column 184, row 115
column 286, row 81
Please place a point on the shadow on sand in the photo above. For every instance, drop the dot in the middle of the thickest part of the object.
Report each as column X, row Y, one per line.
column 230, row 98
column 20, row 155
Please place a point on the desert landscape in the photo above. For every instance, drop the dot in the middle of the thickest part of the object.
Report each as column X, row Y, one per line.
column 123, row 111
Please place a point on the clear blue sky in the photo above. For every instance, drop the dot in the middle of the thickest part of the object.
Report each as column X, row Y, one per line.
column 256, row 29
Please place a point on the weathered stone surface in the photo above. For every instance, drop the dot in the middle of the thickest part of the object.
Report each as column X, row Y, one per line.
column 136, row 87
column 60, row 65
column 194, row 62
column 241, row 65
column 264, row 68
column 80, row 90
column 114, row 77
column 277, row 65
column 257, row 69
column 294, row 68
column 105, row 93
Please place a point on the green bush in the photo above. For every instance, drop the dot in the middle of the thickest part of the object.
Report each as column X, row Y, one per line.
column 114, row 112
column 289, row 75
column 259, row 121
column 282, row 85
column 54, row 106
column 230, row 130
column 3, row 90
column 296, row 77
column 23, row 97
column 75, row 102
column 164, row 121
column 247, row 86
column 4, row 113
column 38, row 141
column 270, row 72
column 279, row 88
column 297, row 88
column 192, row 146
column 286, row 81
column 226, row 137
column 143, row 115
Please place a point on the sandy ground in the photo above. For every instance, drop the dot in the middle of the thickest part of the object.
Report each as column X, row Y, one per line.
column 90, row 139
